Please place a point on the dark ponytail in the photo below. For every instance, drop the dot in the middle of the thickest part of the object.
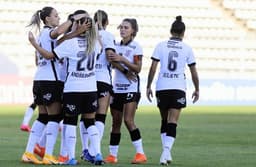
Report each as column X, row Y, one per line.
column 178, row 27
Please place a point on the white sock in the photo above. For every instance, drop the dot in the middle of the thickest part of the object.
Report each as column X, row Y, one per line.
column 35, row 133
column 168, row 143
column 94, row 138
column 52, row 130
column 100, row 125
column 113, row 150
column 84, row 136
column 42, row 140
column 70, row 140
column 27, row 116
column 63, row 148
column 162, row 139
column 138, row 146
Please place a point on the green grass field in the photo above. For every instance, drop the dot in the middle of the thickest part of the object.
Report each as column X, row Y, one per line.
column 206, row 137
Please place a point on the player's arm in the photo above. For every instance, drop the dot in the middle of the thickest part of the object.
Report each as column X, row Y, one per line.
column 43, row 52
column 151, row 75
column 129, row 75
column 195, row 79
column 85, row 27
column 134, row 67
column 61, row 29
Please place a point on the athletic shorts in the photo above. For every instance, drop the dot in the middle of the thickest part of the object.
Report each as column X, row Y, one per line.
column 167, row 99
column 119, row 99
column 47, row 92
column 75, row 103
column 104, row 89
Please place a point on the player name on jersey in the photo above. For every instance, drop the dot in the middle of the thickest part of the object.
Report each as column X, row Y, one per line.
column 82, row 75
column 171, row 75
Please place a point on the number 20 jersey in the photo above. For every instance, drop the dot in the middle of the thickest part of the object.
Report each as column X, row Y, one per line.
column 80, row 67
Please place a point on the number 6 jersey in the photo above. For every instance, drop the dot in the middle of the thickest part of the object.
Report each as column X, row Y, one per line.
column 173, row 56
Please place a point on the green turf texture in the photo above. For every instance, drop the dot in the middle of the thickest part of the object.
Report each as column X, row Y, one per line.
column 206, row 137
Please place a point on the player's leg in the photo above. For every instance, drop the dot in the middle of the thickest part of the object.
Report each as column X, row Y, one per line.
column 129, row 118
column 27, row 117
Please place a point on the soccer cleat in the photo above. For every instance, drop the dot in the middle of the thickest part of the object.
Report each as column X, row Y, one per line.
column 86, row 156
column 50, row 160
column 63, row 159
column 25, row 128
column 110, row 159
column 30, row 158
column 98, row 160
column 71, row 162
column 139, row 159
column 38, row 150
column 165, row 158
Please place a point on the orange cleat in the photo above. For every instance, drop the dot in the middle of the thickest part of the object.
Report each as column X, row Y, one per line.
column 139, row 159
column 63, row 159
column 50, row 160
column 25, row 128
column 110, row 159
column 30, row 158
column 38, row 150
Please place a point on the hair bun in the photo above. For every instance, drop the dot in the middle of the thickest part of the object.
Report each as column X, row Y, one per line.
column 179, row 18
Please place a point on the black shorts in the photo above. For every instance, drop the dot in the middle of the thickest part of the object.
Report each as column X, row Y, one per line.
column 47, row 92
column 119, row 99
column 75, row 103
column 104, row 89
column 167, row 99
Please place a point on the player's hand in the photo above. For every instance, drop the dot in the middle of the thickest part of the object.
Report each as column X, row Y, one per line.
column 195, row 96
column 149, row 94
column 79, row 16
column 131, row 76
column 115, row 57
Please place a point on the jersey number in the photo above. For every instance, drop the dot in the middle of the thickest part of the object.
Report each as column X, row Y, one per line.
column 172, row 63
column 90, row 62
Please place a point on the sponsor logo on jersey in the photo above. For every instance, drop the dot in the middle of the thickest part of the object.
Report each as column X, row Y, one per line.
column 47, row 96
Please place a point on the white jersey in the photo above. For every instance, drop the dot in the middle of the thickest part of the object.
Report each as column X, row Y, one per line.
column 103, row 68
column 173, row 56
column 80, row 67
column 120, row 83
column 47, row 70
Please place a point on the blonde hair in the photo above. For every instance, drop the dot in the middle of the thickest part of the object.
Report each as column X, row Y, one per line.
column 91, row 37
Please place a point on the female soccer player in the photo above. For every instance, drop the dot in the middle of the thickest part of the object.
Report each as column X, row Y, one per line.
column 104, row 85
column 27, row 117
column 47, row 87
column 173, row 55
column 126, row 93
column 80, row 89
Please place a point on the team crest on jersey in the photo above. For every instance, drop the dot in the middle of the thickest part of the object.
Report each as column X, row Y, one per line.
column 181, row 100
column 71, row 107
column 129, row 96
column 47, row 96
column 95, row 103
column 127, row 53
column 104, row 94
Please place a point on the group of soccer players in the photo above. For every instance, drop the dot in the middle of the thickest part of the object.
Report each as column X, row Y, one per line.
column 81, row 70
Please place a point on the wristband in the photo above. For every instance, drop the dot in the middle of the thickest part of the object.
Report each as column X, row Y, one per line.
column 125, row 71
